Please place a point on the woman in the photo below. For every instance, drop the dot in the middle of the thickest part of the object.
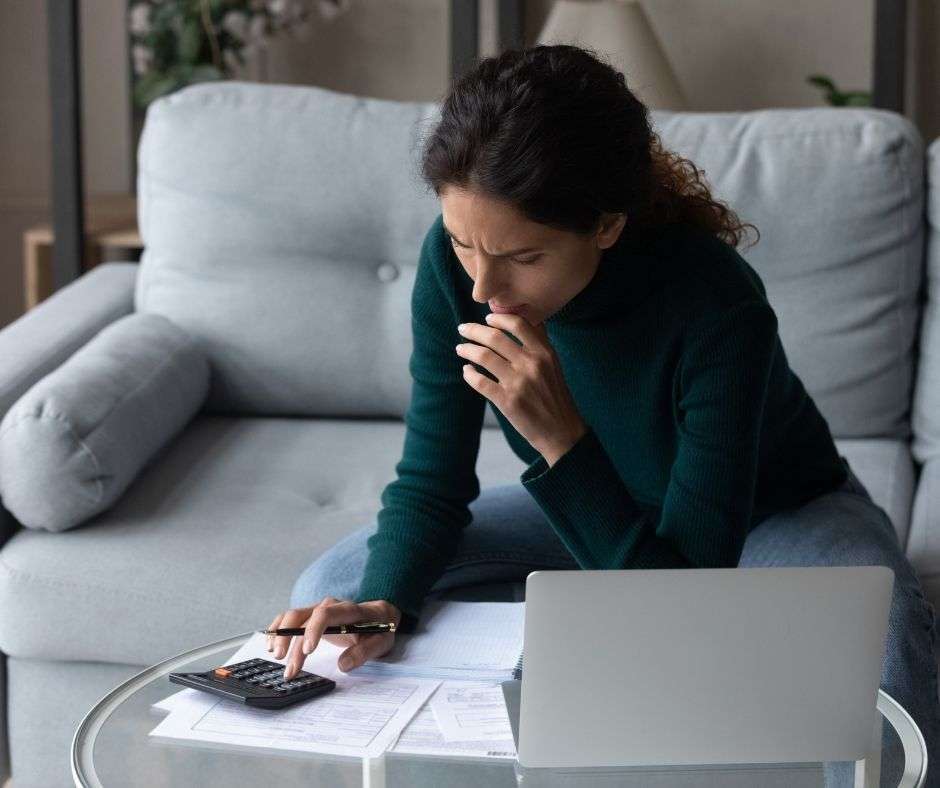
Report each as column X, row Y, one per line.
column 591, row 285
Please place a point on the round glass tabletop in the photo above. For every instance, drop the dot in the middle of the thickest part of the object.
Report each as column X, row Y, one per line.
column 112, row 747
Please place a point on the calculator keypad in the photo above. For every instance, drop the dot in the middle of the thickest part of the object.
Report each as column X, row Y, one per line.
column 261, row 682
column 266, row 674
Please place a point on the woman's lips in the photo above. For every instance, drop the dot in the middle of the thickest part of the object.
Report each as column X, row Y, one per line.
column 508, row 310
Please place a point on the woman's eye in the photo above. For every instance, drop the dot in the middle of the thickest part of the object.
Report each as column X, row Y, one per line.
column 519, row 260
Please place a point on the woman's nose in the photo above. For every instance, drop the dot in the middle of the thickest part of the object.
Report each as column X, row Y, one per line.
column 485, row 285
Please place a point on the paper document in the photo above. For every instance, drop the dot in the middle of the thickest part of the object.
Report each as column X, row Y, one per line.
column 361, row 717
column 397, row 702
column 456, row 640
column 423, row 737
column 471, row 711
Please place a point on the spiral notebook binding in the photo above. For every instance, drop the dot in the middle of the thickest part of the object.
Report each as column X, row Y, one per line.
column 517, row 671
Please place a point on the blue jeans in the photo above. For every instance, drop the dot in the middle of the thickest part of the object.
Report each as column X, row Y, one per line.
column 509, row 536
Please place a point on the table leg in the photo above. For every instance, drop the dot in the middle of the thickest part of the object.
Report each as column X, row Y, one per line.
column 868, row 770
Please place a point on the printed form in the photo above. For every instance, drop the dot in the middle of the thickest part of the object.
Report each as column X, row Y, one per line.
column 422, row 736
column 471, row 711
column 436, row 693
column 361, row 717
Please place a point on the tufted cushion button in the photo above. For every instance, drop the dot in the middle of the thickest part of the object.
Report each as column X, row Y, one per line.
column 387, row 272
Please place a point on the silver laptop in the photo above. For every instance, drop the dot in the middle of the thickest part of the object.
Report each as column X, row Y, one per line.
column 701, row 666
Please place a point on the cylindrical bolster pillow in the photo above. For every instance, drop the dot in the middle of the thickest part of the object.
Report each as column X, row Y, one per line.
column 71, row 445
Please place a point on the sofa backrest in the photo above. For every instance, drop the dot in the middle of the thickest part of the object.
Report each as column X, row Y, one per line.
column 926, row 409
column 837, row 194
column 282, row 226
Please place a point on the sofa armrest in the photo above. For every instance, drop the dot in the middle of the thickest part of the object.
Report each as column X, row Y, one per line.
column 38, row 342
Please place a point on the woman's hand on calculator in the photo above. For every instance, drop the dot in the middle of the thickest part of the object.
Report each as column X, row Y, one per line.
column 329, row 612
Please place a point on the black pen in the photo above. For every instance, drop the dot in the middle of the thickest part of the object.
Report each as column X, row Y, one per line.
column 361, row 628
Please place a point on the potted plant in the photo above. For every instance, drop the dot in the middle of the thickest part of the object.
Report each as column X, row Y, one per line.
column 178, row 42
column 839, row 98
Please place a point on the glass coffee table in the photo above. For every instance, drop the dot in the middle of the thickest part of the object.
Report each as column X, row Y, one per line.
column 112, row 747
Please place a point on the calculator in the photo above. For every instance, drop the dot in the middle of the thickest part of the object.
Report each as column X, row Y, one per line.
column 257, row 682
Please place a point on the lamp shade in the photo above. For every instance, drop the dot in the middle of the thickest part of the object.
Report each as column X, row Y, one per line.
column 619, row 30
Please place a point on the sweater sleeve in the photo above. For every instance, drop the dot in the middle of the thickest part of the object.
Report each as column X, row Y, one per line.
column 426, row 507
column 706, row 511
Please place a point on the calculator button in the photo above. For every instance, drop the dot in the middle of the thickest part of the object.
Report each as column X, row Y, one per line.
column 222, row 672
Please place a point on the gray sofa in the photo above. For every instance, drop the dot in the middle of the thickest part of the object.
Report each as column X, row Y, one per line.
column 282, row 226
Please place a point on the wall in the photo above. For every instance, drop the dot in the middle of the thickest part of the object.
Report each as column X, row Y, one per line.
column 397, row 49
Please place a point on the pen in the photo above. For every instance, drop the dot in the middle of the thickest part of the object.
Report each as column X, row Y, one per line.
column 361, row 628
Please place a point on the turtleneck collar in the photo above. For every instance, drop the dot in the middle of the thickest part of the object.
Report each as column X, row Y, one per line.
column 624, row 276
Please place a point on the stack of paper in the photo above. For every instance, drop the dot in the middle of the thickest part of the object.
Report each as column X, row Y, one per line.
column 369, row 711
column 457, row 640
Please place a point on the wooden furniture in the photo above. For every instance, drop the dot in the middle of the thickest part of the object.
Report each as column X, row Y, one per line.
column 110, row 222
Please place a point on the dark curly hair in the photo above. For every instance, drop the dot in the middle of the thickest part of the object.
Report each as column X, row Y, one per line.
column 555, row 132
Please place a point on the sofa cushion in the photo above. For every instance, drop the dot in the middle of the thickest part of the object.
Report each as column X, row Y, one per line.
column 293, row 261
column 926, row 408
column 837, row 194
column 886, row 469
column 73, row 442
column 209, row 542
column 282, row 225
column 923, row 544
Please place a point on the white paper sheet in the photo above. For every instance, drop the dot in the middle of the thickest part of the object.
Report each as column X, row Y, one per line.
column 361, row 717
column 457, row 640
column 471, row 711
column 423, row 737
column 483, row 640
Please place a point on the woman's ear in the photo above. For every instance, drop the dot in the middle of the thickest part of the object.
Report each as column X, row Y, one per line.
column 612, row 225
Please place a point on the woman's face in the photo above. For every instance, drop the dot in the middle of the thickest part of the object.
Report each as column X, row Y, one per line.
column 514, row 261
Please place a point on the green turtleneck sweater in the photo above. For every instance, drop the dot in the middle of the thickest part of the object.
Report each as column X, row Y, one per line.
column 697, row 427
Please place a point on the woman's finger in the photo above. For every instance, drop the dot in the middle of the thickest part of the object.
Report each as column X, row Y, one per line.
column 342, row 640
column 371, row 647
column 290, row 619
column 273, row 625
column 323, row 615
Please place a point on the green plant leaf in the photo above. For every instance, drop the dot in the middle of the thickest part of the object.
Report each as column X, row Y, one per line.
column 858, row 98
column 820, row 80
column 190, row 41
column 205, row 73
column 158, row 84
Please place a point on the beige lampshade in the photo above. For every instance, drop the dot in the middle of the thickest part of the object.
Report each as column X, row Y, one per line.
column 618, row 29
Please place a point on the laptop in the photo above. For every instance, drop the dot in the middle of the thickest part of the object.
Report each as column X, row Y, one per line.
column 700, row 666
